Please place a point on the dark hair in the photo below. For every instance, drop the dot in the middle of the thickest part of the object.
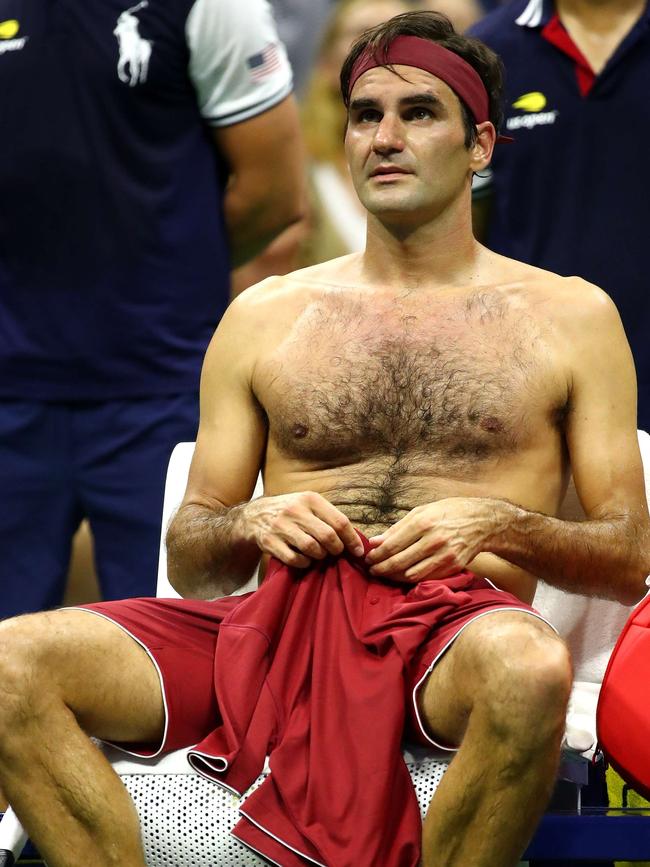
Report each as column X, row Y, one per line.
column 438, row 28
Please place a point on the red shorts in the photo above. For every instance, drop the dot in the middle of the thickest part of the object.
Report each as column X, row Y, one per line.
column 180, row 636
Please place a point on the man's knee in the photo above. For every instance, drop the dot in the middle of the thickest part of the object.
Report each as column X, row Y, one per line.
column 524, row 680
column 21, row 675
column 508, row 676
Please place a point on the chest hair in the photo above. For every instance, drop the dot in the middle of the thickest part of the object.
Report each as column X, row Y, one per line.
column 460, row 382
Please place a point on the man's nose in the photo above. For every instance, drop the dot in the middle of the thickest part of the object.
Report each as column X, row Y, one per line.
column 389, row 136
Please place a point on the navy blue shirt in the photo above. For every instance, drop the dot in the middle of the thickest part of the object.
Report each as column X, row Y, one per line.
column 114, row 267
column 572, row 194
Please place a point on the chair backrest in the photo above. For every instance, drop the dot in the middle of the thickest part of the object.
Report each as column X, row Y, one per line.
column 589, row 626
column 175, row 482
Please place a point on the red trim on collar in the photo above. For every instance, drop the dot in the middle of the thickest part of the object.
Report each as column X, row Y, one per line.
column 556, row 33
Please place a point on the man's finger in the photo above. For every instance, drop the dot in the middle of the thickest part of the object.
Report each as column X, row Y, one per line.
column 402, row 561
column 341, row 525
column 398, row 538
column 424, row 569
column 304, row 543
column 432, row 567
column 321, row 531
column 285, row 554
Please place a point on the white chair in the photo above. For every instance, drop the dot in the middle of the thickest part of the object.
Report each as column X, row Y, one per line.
column 186, row 819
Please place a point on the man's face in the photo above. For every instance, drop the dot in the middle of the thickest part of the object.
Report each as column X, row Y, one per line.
column 405, row 144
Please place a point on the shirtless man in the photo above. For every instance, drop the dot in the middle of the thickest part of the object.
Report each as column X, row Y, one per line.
column 428, row 392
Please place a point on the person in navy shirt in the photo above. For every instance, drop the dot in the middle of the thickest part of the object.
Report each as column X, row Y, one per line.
column 146, row 149
column 571, row 194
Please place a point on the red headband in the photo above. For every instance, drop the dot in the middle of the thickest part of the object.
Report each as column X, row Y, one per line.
column 463, row 79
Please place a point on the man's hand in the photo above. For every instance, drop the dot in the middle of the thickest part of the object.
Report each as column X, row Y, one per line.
column 435, row 540
column 299, row 528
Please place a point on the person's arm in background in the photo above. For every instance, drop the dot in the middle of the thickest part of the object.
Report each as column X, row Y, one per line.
column 265, row 192
column 243, row 85
column 281, row 256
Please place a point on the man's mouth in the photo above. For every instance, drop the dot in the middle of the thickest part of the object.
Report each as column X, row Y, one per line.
column 388, row 171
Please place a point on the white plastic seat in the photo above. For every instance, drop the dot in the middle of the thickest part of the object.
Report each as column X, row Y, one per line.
column 186, row 819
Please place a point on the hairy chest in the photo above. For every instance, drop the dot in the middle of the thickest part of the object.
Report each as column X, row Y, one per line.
column 461, row 381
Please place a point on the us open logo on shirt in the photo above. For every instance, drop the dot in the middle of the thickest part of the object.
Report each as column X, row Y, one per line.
column 8, row 31
column 532, row 104
column 135, row 52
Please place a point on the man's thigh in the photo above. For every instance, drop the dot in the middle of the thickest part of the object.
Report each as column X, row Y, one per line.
column 69, row 658
column 179, row 637
column 491, row 653
column 38, row 509
column 122, row 451
column 138, row 673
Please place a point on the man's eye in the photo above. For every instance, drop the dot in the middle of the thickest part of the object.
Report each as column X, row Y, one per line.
column 420, row 114
column 369, row 115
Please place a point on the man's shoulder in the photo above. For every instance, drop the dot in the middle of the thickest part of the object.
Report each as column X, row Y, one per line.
column 302, row 284
column 333, row 273
column 565, row 296
column 586, row 307
column 577, row 318
column 268, row 298
column 578, row 310
column 573, row 295
column 281, row 297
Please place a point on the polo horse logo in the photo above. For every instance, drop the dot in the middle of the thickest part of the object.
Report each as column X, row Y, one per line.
column 133, row 63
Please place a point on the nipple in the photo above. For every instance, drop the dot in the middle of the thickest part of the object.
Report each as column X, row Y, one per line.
column 491, row 424
column 299, row 430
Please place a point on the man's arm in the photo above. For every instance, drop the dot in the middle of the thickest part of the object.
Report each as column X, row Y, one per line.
column 217, row 536
column 265, row 192
column 607, row 555
column 203, row 559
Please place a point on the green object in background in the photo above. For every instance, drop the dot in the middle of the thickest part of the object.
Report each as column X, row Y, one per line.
column 620, row 795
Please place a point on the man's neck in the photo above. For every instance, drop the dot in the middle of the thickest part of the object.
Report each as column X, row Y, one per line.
column 599, row 26
column 429, row 256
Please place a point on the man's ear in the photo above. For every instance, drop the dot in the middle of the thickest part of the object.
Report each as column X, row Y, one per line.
column 481, row 150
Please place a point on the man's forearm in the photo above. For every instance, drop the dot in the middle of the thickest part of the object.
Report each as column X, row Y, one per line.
column 606, row 557
column 207, row 554
column 252, row 224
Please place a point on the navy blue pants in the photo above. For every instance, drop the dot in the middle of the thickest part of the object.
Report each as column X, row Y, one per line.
column 103, row 460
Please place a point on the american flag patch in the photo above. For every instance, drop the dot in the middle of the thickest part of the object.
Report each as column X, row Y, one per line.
column 264, row 62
